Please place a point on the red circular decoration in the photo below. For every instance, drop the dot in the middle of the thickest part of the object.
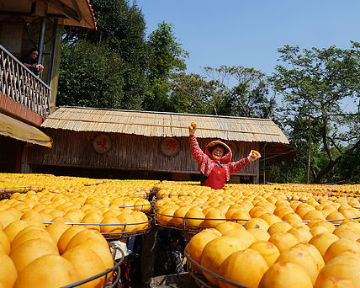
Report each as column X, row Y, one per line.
column 170, row 146
column 102, row 143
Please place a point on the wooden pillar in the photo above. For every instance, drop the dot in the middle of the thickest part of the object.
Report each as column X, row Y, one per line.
column 42, row 35
column 52, row 52
column 55, row 69
column 148, row 256
column 264, row 163
column 19, row 147
column 25, row 167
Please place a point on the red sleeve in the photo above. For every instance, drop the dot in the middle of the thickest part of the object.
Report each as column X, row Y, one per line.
column 196, row 151
column 238, row 165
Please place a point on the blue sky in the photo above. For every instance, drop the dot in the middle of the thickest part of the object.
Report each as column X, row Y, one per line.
column 248, row 33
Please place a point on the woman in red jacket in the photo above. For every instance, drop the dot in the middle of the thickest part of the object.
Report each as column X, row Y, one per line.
column 215, row 164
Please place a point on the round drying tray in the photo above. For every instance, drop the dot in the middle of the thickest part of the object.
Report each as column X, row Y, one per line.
column 199, row 277
column 140, row 207
column 111, row 275
column 7, row 192
column 112, row 236
column 185, row 227
column 194, row 229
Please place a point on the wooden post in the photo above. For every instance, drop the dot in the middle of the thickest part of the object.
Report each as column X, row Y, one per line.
column 42, row 35
column 264, row 155
column 55, row 69
column 148, row 256
column 25, row 167
column 19, row 147
column 52, row 52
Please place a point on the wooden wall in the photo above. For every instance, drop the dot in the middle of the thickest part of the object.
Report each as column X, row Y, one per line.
column 128, row 152
column 10, row 154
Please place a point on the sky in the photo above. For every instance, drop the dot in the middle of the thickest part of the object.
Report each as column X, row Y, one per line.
column 248, row 33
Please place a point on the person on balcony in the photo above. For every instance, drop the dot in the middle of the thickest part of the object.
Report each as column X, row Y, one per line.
column 30, row 60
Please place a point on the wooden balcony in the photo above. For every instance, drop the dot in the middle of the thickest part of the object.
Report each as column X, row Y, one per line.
column 22, row 93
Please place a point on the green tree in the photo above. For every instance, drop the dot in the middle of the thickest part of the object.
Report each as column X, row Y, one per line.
column 245, row 91
column 191, row 93
column 348, row 169
column 120, row 30
column 313, row 84
column 166, row 57
column 120, row 25
column 87, row 77
column 235, row 91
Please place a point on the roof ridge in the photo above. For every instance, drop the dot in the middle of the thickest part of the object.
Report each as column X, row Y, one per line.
column 166, row 113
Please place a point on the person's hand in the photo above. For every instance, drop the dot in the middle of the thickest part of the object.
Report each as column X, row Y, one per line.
column 184, row 260
column 34, row 65
column 254, row 155
column 192, row 128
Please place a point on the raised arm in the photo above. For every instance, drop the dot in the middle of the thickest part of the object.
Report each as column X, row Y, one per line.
column 196, row 151
column 238, row 165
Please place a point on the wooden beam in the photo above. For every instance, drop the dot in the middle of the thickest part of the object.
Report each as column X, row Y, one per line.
column 66, row 10
column 77, row 8
column 15, row 13
column 18, row 111
column 18, row 13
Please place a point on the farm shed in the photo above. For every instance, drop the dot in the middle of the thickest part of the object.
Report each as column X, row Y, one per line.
column 140, row 143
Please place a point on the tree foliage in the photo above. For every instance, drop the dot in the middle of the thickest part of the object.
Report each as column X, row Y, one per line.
column 191, row 93
column 121, row 32
column 166, row 57
column 245, row 92
column 88, row 79
column 236, row 91
column 313, row 84
column 348, row 169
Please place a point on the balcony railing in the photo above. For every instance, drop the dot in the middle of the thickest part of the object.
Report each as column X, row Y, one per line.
column 20, row 84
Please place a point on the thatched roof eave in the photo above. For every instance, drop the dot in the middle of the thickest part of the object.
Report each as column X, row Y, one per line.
column 164, row 124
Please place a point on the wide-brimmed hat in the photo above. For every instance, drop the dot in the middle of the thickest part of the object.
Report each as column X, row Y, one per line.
column 212, row 144
column 227, row 153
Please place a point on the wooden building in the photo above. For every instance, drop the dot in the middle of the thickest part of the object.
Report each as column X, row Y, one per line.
column 123, row 143
column 25, row 98
column 26, row 24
